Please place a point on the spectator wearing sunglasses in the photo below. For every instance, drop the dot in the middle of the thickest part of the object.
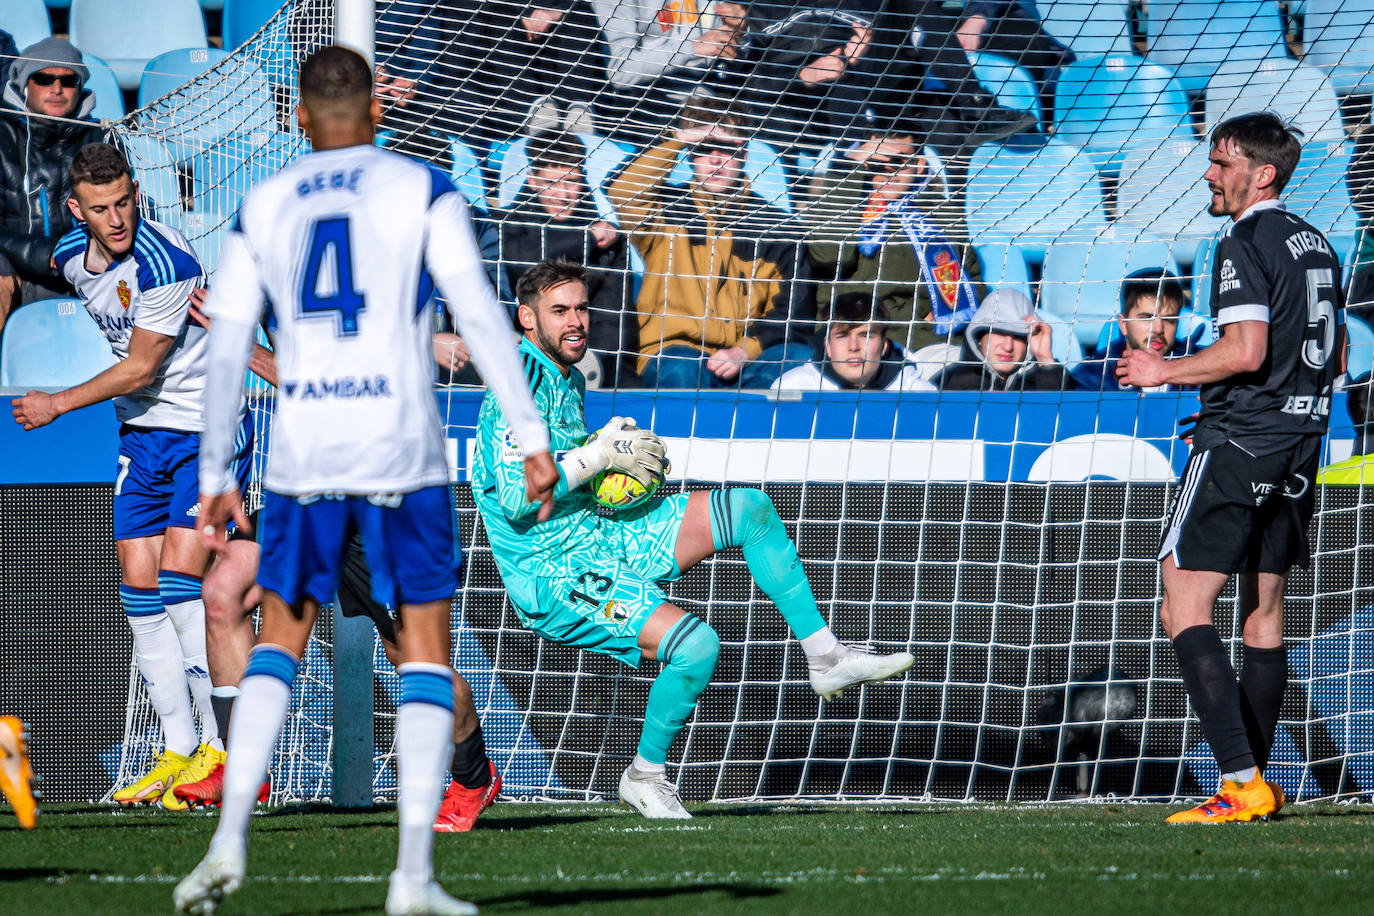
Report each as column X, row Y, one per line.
column 44, row 120
column 880, row 220
column 726, row 299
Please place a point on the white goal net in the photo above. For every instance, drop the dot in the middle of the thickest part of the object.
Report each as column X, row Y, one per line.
column 1006, row 538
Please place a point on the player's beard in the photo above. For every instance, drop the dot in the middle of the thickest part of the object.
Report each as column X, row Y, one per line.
column 558, row 351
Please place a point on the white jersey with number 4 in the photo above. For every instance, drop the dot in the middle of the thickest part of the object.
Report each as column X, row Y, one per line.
column 342, row 245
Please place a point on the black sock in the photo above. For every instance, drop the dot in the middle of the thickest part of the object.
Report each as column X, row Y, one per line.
column 1263, row 680
column 1211, row 684
column 223, row 708
column 470, row 768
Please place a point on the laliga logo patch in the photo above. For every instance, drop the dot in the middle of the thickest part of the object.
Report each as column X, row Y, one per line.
column 510, row 447
column 1229, row 281
column 125, row 294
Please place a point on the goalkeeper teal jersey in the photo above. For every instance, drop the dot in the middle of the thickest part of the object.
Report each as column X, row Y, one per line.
column 498, row 476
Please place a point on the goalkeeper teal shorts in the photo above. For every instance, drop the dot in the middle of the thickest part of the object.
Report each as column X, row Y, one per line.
column 598, row 595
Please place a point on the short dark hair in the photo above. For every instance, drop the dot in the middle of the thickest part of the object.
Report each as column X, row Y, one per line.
column 1152, row 281
column 97, row 163
column 555, row 149
column 545, row 275
column 1357, row 401
column 702, row 110
column 336, row 76
column 849, row 310
column 1264, row 139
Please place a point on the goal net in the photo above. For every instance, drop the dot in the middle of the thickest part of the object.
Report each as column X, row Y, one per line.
column 1006, row 538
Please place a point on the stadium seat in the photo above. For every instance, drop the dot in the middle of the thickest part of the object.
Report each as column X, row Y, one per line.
column 222, row 175
column 763, row 168
column 204, row 229
column 466, row 172
column 1197, row 36
column 109, row 98
column 1161, row 194
column 1012, row 86
column 1318, row 190
column 233, row 99
column 1107, row 104
column 52, row 343
column 155, row 170
column 1338, row 37
column 1064, row 342
column 58, row 4
column 1082, row 282
column 1032, row 193
column 27, row 22
column 243, row 18
column 1295, row 92
column 512, row 165
column 1089, row 27
column 128, row 35
column 1003, row 265
column 1360, row 356
column 1201, row 274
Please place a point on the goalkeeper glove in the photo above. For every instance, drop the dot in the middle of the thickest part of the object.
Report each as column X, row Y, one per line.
column 620, row 446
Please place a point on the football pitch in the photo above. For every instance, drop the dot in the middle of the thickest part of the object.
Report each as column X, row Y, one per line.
column 790, row 859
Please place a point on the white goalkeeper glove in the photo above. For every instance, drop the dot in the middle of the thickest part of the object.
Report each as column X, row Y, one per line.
column 621, row 446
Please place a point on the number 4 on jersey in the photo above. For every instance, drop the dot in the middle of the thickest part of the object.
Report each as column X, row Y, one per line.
column 327, row 279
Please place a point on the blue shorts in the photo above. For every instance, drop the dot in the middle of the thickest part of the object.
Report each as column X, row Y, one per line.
column 157, row 485
column 409, row 541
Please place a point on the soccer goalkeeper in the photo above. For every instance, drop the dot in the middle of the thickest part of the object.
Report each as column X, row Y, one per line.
column 592, row 583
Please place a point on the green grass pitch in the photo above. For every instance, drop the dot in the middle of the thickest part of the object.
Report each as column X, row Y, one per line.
column 603, row 859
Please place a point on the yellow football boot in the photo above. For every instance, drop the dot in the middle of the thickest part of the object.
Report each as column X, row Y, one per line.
column 148, row 790
column 202, row 764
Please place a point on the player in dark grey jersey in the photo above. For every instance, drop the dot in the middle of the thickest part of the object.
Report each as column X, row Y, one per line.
column 1246, row 498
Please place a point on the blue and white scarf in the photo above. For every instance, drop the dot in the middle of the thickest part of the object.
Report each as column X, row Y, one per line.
column 952, row 299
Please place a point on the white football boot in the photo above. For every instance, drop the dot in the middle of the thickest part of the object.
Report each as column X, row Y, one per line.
column 845, row 666
column 219, row 874
column 652, row 796
column 407, row 897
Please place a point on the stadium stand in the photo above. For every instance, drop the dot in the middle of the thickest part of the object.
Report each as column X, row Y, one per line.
column 109, row 98
column 1296, row 92
column 1107, row 105
column 511, row 163
column 52, row 343
column 1089, row 27
column 171, row 70
column 466, row 172
column 1338, row 37
column 1361, row 354
column 243, row 18
column 26, row 20
column 1318, row 190
column 1198, row 36
column 1011, row 85
column 1161, row 193
column 128, row 35
column 1083, row 282
column 1003, row 264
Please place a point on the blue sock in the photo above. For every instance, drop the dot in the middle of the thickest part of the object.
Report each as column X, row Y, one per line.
column 688, row 652
column 744, row 517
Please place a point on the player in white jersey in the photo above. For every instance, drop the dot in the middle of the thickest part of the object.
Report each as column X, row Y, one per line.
column 342, row 244
column 134, row 277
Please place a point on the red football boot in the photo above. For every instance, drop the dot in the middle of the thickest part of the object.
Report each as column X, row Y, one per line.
column 459, row 810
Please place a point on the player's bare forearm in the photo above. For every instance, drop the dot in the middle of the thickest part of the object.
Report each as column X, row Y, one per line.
column 541, row 476
column 215, row 511
column 263, row 364
column 1242, row 348
column 37, row 409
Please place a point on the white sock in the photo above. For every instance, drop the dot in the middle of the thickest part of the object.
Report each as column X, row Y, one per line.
column 819, row 644
column 264, row 698
column 424, row 744
column 189, row 619
column 157, row 652
column 643, row 769
column 1242, row 776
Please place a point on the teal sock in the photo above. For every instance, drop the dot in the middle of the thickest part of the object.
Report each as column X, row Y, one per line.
column 744, row 517
column 688, row 652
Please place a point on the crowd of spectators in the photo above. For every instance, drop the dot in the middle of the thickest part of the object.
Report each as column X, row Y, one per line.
column 697, row 280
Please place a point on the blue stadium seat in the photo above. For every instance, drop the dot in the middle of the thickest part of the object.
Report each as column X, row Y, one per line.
column 1338, row 37
column 1082, row 282
column 243, row 18
column 109, row 98
column 52, row 343
column 128, row 35
column 204, row 229
column 1012, row 86
column 1295, row 92
column 763, row 168
column 155, row 170
column 1032, row 193
column 26, row 20
column 1089, row 27
column 235, row 99
column 222, row 175
column 58, row 4
column 1201, row 274
column 1161, row 194
column 1107, row 104
column 1360, row 357
column 511, row 162
column 1004, row 265
column 466, row 172
column 1197, row 36
column 1318, row 190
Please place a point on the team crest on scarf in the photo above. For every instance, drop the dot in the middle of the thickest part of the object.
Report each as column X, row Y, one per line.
column 675, row 13
column 125, row 294
column 946, row 272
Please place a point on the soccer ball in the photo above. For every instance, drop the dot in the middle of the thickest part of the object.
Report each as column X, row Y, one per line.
column 618, row 490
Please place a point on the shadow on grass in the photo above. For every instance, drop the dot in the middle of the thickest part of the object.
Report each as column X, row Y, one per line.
column 8, row 875
column 623, row 895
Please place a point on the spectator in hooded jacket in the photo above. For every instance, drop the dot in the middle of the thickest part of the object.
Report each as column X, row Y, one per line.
column 1151, row 300
column 1006, row 348
column 555, row 217
column 44, row 121
column 853, row 353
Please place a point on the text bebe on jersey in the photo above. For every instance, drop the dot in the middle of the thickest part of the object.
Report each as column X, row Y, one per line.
column 337, row 180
